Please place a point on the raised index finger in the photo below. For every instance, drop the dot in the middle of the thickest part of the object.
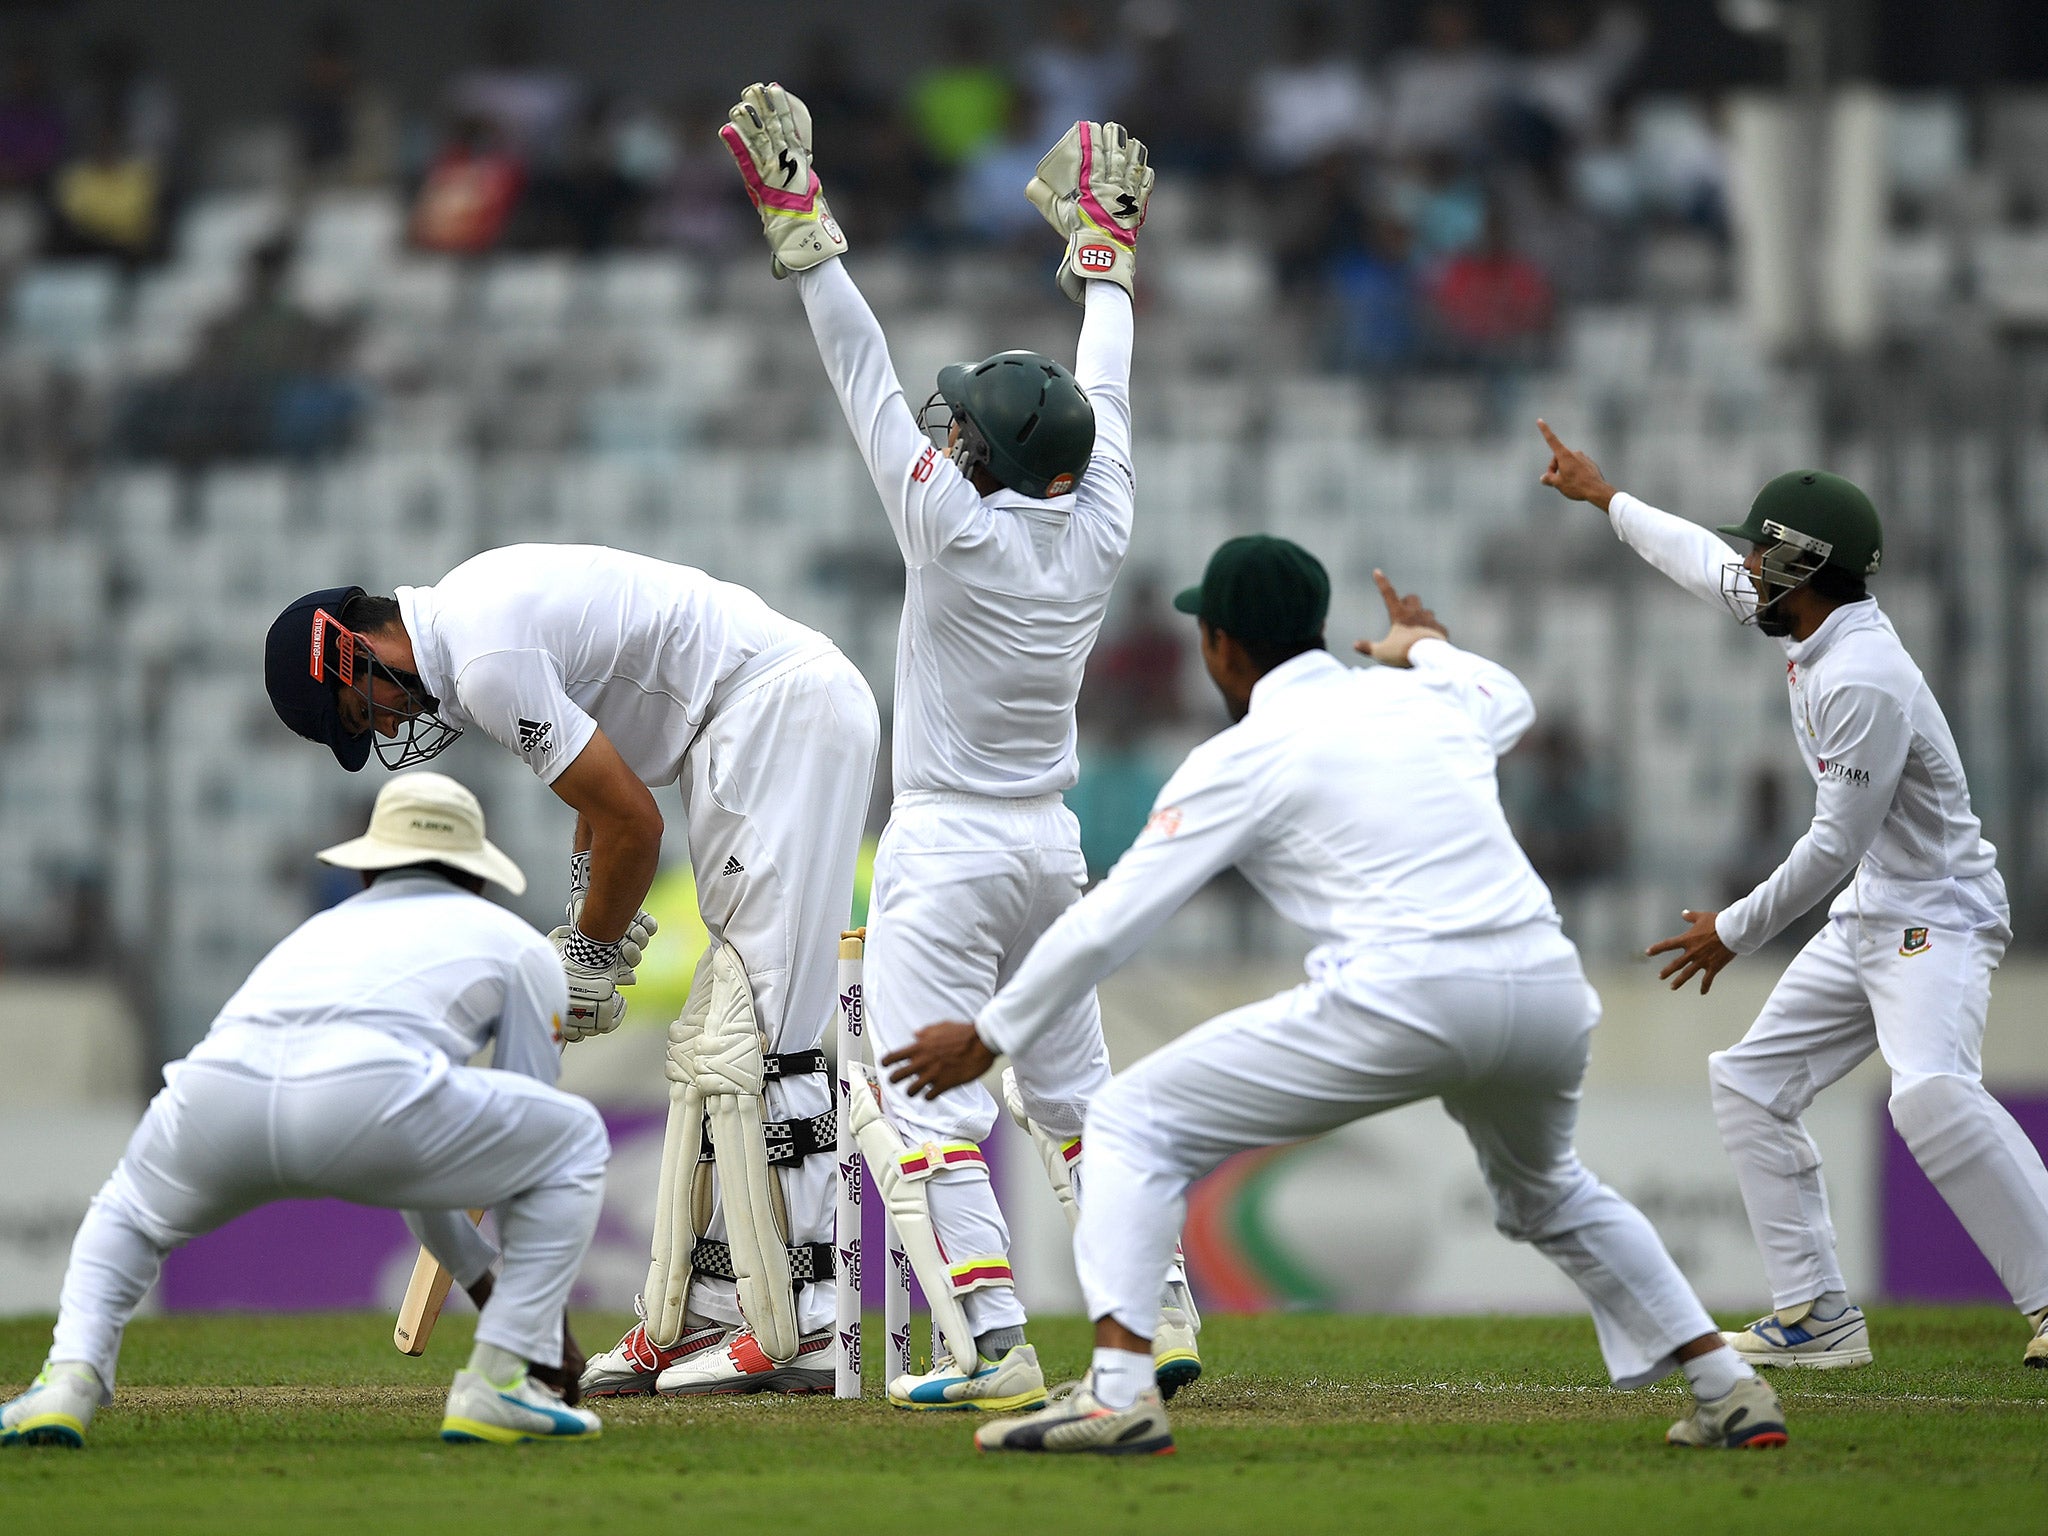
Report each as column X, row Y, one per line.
column 1387, row 594
column 1550, row 437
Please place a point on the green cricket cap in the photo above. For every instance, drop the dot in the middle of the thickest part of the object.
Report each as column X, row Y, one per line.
column 1260, row 588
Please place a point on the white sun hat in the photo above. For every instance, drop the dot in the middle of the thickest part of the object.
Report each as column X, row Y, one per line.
column 427, row 818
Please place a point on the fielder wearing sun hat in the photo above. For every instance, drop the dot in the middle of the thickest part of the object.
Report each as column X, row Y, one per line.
column 427, row 818
column 1258, row 588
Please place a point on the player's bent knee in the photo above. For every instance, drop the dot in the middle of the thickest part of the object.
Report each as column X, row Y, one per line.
column 1928, row 1106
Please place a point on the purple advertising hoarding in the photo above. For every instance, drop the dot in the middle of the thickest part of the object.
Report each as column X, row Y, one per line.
column 1927, row 1256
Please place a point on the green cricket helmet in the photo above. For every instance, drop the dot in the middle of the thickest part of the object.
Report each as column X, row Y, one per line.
column 1801, row 521
column 1023, row 416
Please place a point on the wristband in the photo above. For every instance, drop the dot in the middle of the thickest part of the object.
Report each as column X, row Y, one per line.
column 579, row 872
column 588, row 952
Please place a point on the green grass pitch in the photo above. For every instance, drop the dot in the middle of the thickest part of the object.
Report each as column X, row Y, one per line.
column 1304, row 1423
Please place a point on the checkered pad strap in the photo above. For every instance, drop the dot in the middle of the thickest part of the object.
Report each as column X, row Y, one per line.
column 807, row 1261
column 789, row 1141
column 780, row 1064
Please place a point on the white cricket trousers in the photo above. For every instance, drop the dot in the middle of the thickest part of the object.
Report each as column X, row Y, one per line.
column 1496, row 1026
column 1920, row 996
column 348, row 1112
column 777, row 786
column 964, row 885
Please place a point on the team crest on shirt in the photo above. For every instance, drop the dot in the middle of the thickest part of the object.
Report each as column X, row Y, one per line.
column 1916, row 942
column 1164, row 822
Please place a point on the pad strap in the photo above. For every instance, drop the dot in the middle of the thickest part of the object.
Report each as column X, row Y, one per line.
column 807, row 1261
column 936, row 1157
column 788, row 1141
column 780, row 1064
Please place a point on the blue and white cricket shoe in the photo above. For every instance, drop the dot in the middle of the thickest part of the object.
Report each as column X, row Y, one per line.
column 1013, row 1384
column 1837, row 1344
column 57, row 1408
column 525, row 1410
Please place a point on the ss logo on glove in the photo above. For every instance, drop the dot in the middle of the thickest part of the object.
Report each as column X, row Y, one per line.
column 1095, row 258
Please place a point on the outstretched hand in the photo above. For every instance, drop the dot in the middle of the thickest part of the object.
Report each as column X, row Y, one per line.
column 1573, row 474
column 942, row 1056
column 1407, row 622
column 1699, row 949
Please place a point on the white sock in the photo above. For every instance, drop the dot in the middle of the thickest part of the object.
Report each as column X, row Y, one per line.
column 500, row 1367
column 1829, row 1306
column 1714, row 1374
column 1120, row 1375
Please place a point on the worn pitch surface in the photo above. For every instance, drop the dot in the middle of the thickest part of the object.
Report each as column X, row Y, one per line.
column 1304, row 1423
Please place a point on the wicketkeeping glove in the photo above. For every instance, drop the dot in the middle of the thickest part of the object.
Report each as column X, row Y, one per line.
column 1092, row 187
column 595, row 973
column 770, row 140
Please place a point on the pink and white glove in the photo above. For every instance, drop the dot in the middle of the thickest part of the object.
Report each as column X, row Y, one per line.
column 1092, row 187
column 770, row 140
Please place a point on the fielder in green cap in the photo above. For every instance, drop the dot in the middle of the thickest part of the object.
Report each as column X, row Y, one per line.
column 1903, row 966
column 1261, row 602
column 1362, row 803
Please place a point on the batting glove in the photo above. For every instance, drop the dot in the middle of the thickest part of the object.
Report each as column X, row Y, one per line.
column 632, row 947
column 1092, row 187
column 770, row 140
column 595, row 973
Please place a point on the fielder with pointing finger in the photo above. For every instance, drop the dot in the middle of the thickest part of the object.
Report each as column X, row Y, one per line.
column 1903, row 966
column 1363, row 805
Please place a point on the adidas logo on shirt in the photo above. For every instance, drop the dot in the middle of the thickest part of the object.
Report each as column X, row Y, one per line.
column 535, row 735
column 734, row 867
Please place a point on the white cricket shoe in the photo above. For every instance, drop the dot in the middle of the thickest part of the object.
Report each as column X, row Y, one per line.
column 525, row 1410
column 57, row 1408
column 1749, row 1418
column 744, row 1366
column 1073, row 1420
column 1176, row 1358
column 635, row 1363
column 993, row 1386
column 1837, row 1344
column 2037, row 1346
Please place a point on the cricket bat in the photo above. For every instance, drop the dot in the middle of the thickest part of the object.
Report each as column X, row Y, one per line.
column 425, row 1294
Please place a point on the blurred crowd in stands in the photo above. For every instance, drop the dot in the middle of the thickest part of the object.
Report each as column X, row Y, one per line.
column 1442, row 199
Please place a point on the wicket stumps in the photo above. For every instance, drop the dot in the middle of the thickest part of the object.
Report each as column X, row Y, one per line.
column 850, row 1047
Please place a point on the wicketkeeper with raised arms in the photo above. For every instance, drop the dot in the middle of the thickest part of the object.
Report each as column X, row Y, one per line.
column 613, row 675
column 1012, row 530
column 1903, row 966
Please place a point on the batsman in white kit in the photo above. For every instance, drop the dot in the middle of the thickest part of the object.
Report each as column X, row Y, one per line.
column 1363, row 804
column 612, row 675
column 338, row 1069
column 1903, row 966
column 1012, row 530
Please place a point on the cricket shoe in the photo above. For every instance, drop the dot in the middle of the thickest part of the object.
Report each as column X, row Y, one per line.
column 1749, row 1418
column 479, row 1412
column 1176, row 1359
column 57, row 1408
column 994, row 1386
column 2037, row 1346
column 1074, row 1420
column 632, row 1366
column 1837, row 1344
column 743, row 1366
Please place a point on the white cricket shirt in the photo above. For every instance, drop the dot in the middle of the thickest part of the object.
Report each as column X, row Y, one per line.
column 413, row 958
column 540, row 645
column 1362, row 803
column 1004, row 594
column 1891, row 805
